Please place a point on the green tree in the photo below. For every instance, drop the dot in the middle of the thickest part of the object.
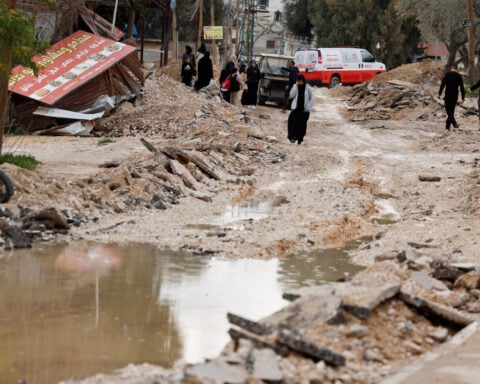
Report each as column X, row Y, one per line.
column 17, row 46
column 298, row 22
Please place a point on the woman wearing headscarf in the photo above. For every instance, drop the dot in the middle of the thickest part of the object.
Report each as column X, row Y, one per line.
column 253, row 78
column 302, row 95
column 188, row 53
column 205, row 71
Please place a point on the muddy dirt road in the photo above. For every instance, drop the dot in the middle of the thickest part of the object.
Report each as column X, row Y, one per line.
column 348, row 181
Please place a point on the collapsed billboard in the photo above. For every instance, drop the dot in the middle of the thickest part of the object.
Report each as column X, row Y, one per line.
column 66, row 66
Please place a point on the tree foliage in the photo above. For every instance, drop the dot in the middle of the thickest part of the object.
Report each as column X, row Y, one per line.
column 17, row 40
column 365, row 23
column 17, row 46
column 298, row 22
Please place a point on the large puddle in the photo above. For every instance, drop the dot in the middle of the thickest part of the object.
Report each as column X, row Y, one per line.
column 68, row 312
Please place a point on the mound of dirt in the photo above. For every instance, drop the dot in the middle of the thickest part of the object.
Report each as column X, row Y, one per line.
column 416, row 73
column 408, row 92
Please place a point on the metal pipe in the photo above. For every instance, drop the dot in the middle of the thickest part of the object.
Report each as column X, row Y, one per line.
column 114, row 15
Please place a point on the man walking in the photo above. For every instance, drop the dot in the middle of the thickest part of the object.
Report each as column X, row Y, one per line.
column 451, row 82
column 292, row 80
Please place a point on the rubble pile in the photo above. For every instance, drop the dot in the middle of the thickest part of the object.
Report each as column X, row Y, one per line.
column 169, row 109
column 345, row 332
column 199, row 144
column 408, row 92
column 20, row 226
column 200, row 141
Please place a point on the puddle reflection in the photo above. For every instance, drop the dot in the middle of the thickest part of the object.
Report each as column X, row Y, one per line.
column 72, row 311
column 249, row 210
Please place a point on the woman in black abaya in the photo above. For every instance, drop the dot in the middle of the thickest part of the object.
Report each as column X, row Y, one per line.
column 302, row 95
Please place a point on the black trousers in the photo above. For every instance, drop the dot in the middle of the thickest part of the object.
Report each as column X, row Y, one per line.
column 252, row 93
column 450, row 105
column 297, row 125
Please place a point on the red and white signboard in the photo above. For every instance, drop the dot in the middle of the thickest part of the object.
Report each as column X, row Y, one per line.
column 66, row 66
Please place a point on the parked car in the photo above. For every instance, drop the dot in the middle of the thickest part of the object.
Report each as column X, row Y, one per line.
column 274, row 79
column 335, row 66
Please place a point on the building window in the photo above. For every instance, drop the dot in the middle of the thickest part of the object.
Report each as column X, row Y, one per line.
column 277, row 16
column 262, row 4
column 271, row 44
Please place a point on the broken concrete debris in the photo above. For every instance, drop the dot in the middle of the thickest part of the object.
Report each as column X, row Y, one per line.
column 19, row 226
column 408, row 92
column 358, row 326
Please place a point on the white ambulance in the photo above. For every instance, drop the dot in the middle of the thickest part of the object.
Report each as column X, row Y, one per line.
column 332, row 66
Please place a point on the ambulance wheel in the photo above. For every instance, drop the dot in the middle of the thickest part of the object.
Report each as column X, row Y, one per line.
column 334, row 82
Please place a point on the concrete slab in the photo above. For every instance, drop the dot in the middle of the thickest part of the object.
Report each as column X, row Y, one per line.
column 362, row 300
column 456, row 361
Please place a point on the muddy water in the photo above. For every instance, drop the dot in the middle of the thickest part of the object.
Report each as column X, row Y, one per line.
column 75, row 310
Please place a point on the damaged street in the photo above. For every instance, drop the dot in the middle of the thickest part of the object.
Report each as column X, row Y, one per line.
column 377, row 180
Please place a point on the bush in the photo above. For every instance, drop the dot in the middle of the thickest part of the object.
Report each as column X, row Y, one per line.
column 22, row 161
column 105, row 141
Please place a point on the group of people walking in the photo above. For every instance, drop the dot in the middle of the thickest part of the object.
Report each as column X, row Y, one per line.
column 298, row 94
column 231, row 83
column 189, row 70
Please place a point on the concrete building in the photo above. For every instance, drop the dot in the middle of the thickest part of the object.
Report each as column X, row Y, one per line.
column 270, row 31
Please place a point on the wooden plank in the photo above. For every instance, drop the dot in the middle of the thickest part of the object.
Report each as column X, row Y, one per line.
column 249, row 325
column 317, row 352
column 178, row 154
column 133, row 64
column 129, row 80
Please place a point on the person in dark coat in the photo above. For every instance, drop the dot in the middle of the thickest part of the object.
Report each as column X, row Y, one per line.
column 205, row 71
column 451, row 82
column 188, row 71
column 253, row 78
column 292, row 79
column 189, row 53
column 303, row 98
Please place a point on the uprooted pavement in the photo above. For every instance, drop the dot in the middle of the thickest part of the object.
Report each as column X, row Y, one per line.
column 355, row 331
column 200, row 143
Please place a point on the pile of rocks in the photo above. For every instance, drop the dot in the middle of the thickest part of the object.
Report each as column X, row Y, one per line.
column 408, row 92
column 20, row 226
column 353, row 331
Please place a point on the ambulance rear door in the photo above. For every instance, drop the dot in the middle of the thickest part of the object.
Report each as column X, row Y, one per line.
column 306, row 60
column 352, row 63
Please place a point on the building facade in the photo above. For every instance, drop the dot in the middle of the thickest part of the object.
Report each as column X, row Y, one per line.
column 270, row 32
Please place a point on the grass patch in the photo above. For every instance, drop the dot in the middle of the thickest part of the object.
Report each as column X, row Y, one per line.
column 105, row 141
column 22, row 161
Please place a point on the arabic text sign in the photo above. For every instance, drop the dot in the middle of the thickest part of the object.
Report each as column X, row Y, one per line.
column 213, row 33
column 67, row 65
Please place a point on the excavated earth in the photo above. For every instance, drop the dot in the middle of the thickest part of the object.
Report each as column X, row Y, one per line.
column 376, row 167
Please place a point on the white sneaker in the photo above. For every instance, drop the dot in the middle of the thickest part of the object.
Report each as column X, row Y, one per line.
column 253, row 107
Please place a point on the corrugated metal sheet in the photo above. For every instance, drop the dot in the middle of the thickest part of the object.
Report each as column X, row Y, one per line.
column 82, row 98
column 124, row 78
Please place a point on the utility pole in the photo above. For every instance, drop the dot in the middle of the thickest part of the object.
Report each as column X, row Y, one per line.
column 252, row 33
column 175, row 34
column 247, row 37
column 237, row 28
column 471, row 42
column 200, row 23
column 212, row 20
column 230, row 29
